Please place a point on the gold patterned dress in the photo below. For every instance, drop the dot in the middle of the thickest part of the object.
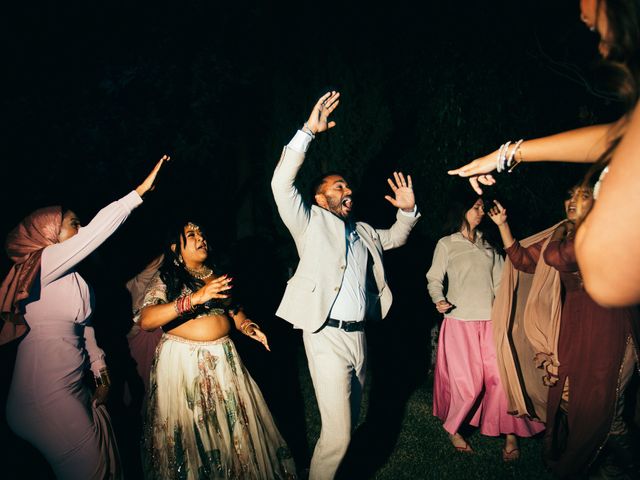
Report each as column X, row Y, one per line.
column 206, row 417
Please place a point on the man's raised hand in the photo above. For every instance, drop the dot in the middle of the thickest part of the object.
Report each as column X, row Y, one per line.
column 403, row 191
column 319, row 118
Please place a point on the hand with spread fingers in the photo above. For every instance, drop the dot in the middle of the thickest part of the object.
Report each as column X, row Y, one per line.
column 403, row 192
column 217, row 288
column 319, row 118
column 497, row 213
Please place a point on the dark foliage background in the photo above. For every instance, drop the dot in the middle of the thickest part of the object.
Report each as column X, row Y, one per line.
column 93, row 93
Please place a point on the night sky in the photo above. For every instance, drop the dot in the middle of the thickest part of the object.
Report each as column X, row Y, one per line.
column 93, row 93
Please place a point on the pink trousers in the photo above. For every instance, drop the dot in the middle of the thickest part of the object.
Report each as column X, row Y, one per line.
column 467, row 386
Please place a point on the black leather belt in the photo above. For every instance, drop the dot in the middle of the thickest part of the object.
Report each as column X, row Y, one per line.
column 346, row 326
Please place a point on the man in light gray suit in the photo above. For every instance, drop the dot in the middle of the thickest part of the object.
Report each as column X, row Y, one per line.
column 339, row 282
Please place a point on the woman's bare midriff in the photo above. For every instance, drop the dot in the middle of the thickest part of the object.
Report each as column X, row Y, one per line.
column 203, row 329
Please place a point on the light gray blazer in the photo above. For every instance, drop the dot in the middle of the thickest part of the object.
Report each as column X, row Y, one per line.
column 320, row 240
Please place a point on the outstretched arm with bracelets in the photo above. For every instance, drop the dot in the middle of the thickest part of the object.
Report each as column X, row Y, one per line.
column 582, row 145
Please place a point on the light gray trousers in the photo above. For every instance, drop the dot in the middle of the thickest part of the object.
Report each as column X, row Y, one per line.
column 337, row 363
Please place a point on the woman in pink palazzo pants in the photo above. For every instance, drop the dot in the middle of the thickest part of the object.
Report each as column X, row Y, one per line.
column 467, row 386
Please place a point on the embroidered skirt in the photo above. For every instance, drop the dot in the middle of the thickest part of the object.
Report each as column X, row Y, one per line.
column 206, row 417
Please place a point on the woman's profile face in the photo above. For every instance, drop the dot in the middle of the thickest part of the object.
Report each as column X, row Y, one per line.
column 593, row 14
column 70, row 226
column 194, row 248
column 475, row 214
column 578, row 204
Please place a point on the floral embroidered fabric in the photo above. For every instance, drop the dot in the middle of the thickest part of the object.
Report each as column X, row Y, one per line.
column 206, row 417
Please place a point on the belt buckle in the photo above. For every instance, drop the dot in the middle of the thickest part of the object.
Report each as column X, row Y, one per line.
column 341, row 325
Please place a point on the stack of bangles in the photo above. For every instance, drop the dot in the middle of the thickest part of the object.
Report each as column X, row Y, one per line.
column 244, row 327
column 183, row 305
column 507, row 158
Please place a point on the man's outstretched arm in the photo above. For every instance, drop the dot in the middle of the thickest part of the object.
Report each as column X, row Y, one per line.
column 291, row 206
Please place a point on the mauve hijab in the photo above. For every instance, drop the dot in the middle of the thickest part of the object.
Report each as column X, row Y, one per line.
column 24, row 247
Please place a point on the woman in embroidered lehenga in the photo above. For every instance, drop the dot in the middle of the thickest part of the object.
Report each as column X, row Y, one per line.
column 206, row 417
column 589, row 355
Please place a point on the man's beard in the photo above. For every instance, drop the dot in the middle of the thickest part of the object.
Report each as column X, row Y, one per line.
column 337, row 208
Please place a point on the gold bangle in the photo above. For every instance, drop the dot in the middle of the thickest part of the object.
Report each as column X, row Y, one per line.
column 512, row 168
column 517, row 152
column 246, row 324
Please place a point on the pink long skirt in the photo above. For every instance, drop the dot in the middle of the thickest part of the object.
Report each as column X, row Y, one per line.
column 467, row 386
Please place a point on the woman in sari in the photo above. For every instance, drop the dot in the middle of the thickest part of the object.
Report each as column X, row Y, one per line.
column 588, row 366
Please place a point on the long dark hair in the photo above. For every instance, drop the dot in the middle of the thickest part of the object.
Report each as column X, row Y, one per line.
column 465, row 199
column 622, row 62
column 172, row 271
column 621, row 67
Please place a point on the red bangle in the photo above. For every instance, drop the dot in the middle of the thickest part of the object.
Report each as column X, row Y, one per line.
column 183, row 304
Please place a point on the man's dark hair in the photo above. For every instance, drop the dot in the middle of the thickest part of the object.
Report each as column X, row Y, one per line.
column 317, row 183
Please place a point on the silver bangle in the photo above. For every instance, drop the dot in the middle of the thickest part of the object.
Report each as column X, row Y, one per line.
column 307, row 130
column 503, row 162
column 499, row 157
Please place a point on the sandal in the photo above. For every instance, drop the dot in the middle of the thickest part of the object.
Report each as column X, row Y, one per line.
column 466, row 448
column 510, row 455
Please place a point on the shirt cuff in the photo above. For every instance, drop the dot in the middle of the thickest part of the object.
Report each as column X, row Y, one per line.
column 300, row 142
column 131, row 200
column 412, row 213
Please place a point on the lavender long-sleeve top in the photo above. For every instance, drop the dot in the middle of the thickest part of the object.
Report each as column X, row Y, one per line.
column 65, row 300
column 48, row 404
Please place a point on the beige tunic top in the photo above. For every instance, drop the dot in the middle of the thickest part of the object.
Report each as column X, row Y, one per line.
column 473, row 274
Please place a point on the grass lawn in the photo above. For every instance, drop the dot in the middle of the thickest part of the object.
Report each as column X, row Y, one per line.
column 411, row 444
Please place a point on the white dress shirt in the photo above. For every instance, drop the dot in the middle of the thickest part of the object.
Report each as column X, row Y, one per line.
column 351, row 302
